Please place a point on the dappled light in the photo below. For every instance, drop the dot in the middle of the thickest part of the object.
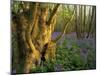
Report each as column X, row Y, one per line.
column 52, row 37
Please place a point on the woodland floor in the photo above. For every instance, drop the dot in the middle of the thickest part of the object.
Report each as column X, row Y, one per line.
column 72, row 54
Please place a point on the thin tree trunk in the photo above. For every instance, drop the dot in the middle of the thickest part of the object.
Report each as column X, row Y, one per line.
column 76, row 21
column 84, row 21
column 90, row 24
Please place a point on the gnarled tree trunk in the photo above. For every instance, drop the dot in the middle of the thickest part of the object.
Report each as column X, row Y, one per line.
column 34, row 36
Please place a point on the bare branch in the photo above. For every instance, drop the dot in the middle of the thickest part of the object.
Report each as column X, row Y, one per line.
column 53, row 14
column 66, row 25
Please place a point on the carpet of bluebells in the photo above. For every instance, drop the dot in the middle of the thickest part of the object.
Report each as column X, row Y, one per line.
column 71, row 54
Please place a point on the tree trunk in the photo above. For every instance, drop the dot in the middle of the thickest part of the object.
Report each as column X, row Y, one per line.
column 91, row 22
column 34, row 37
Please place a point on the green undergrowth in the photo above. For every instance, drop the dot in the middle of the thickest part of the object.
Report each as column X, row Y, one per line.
column 69, row 59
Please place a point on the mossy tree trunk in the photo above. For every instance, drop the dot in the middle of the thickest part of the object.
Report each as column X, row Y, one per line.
column 34, row 36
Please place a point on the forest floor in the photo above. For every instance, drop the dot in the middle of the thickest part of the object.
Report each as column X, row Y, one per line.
column 71, row 39
column 71, row 54
column 86, row 47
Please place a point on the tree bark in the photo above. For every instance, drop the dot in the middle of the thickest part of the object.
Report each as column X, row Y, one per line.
column 34, row 37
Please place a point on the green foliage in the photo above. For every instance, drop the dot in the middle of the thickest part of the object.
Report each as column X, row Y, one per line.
column 91, row 61
column 45, row 67
column 64, row 15
column 16, row 6
column 68, row 59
